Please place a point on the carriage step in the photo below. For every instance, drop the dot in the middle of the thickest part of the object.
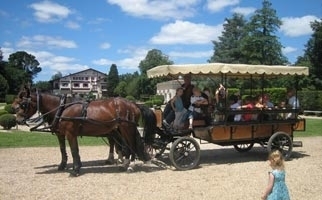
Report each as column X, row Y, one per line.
column 297, row 144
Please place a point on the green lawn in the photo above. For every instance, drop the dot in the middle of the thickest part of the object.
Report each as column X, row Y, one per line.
column 16, row 138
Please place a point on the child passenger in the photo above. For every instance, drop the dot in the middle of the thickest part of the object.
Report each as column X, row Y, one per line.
column 276, row 187
column 177, row 106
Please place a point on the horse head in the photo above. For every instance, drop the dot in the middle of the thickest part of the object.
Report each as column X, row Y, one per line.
column 25, row 105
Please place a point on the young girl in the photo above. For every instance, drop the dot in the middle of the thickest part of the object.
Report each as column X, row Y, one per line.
column 276, row 188
column 178, row 107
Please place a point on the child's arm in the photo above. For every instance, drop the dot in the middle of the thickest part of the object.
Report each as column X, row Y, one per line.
column 269, row 186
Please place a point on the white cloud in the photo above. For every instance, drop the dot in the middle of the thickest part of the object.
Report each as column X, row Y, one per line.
column 102, row 62
column 134, row 55
column 47, row 11
column 52, row 63
column 45, row 42
column 72, row 25
column 193, row 54
column 184, row 32
column 218, row 5
column 243, row 10
column 287, row 50
column 105, row 45
column 297, row 26
column 157, row 9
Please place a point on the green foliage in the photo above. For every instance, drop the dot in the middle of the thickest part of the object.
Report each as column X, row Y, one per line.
column 9, row 109
column 130, row 98
column 4, row 87
column 310, row 100
column 312, row 55
column 228, row 49
column 2, row 112
column 7, row 121
column 112, row 80
column 154, row 58
column 261, row 46
column 43, row 85
column 10, row 98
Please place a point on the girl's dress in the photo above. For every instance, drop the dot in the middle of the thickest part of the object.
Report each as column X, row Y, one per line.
column 279, row 191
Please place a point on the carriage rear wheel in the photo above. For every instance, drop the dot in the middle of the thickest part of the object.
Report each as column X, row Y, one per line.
column 243, row 147
column 185, row 153
column 282, row 142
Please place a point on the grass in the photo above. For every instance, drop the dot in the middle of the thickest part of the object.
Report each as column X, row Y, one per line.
column 39, row 139
column 16, row 138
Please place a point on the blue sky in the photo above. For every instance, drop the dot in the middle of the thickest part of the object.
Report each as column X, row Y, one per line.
column 69, row 36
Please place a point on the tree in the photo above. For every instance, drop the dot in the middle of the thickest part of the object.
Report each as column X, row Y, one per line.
column 154, row 58
column 1, row 55
column 112, row 80
column 228, row 48
column 56, row 76
column 4, row 87
column 120, row 89
column 26, row 62
column 313, row 55
column 261, row 46
column 43, row 85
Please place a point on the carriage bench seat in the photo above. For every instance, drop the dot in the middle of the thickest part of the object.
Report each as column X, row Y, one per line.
column 199, row 122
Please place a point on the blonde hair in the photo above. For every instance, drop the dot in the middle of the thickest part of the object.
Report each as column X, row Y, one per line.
column 277, row 160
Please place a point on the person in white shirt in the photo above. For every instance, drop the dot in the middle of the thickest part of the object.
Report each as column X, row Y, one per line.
column 196, row 101
column 293, row 102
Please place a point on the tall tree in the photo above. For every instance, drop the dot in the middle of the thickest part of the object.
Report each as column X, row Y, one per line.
column 57, row 75
column 26, row 62
column 313, row 55
column 261, row 46
column 154, row 58
column 228, row 49
column 112, row 80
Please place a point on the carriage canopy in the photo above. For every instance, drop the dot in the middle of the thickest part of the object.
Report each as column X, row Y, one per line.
column 227, row 69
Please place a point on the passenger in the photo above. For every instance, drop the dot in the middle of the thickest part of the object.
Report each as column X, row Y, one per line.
column 220, row 96
column 208, row 110
column 187, row 90
column 293, row 103
column 177, row 106
column 196, row 101
column 234, row 105
column 263, row 104
column 249, row 105
column 169, row 113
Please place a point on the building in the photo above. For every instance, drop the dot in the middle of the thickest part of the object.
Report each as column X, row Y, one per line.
column 83, row 83
column 168, row 89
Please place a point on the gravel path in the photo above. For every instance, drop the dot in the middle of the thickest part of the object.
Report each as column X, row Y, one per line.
column 31, row 173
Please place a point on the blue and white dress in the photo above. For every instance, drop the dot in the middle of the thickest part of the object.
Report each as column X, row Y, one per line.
column 280, row 190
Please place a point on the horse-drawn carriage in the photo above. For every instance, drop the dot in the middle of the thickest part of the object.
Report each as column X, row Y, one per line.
column 118, row 119
column 271, row 133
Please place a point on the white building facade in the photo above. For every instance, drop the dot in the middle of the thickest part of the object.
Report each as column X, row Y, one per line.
column 82, row 84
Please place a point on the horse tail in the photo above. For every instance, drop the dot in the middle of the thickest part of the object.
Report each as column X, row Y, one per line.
column 149, row 121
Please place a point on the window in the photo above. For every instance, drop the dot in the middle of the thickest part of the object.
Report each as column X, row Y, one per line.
column 85, row 85
column 64, row 84
column 76, row 84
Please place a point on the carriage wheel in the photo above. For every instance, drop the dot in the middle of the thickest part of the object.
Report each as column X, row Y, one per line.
column 243, row 147
column 185, row 153
column 282, row 142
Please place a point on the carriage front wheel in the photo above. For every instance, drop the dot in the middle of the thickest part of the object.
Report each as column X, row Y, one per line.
column 282, row 142
column 185, row 153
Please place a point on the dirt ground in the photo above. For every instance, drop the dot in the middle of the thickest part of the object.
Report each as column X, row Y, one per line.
column 223, row 173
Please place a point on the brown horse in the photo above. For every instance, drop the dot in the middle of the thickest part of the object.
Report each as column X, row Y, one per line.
column 114, row 117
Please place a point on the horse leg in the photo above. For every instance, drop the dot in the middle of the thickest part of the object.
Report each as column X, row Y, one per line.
column 110, row 159
column 73, row 143
column 62, row 146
